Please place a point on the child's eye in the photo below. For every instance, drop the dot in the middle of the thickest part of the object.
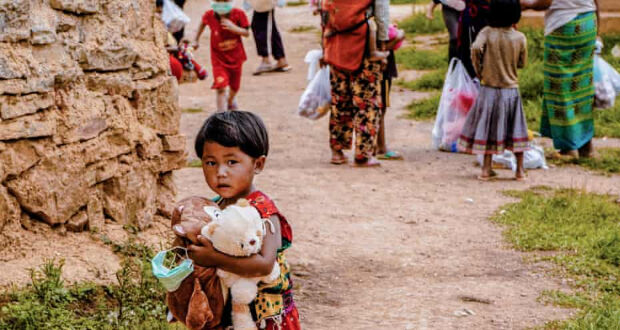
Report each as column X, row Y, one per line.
column 210, row 163
column 232, row 162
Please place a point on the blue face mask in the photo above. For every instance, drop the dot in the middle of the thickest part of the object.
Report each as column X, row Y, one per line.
column 171, row 278
column 222, row 8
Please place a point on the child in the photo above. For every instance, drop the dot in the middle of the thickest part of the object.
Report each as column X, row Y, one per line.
column 227, row 25
column 233, row 147
column 497, row 121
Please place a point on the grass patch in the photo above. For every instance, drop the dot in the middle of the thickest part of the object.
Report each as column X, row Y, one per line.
column 412, row 59
column 296, row 3
column 303, row 28
column 417, row 24
column 424, row 109
column 194, row 163
column 432, row 81
column 136, row 301
column 606, row 162
column 192, row 110
column 583, row 228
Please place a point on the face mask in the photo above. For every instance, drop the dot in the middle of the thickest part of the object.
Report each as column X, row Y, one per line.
column 171, row 278
column 222, row 8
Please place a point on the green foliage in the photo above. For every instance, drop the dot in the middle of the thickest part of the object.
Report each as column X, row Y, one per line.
column 583, row 229
column 136, row 301
column 194, row 163
column 296, row 3
column 192, row 110
column 419, row 24
column 303, row 28
column 606, row 162
column 424, row 109
column 404, row 2
column 412, row 59
column 432, row 81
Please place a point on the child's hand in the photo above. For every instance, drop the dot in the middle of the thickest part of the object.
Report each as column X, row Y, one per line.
column 228, row 24
column 204, row 254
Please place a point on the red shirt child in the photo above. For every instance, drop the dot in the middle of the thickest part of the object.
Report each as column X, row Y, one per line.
column 227, row 52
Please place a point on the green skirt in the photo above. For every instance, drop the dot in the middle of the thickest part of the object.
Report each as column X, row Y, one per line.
column 568, row 94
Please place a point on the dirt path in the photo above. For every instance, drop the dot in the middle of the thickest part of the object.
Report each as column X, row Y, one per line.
column 392, row 247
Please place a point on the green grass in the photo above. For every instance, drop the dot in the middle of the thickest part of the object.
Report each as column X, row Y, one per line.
column 303, row 28
column 583, row 229
column 425, row 109
column 296, row 3
column 192, row 110
column 412, row 59
column 606, row 162
column 432, row 81
column 418, row 24
column 135, row 301
column 194, row 163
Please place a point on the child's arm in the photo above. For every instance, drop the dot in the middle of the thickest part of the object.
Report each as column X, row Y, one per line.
column 382, row 18
column 201, row 28
column 431, row 10
column 260, row 264
column 232, row 27
column 522, row 54
column 477, row 52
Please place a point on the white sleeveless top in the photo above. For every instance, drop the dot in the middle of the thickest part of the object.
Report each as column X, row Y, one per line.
column 564, row 11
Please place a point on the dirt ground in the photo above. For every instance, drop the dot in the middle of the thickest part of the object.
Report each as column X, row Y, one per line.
column 393, row 247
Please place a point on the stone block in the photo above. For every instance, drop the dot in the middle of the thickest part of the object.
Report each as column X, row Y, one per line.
column 94, row 208
column 78, row 222
column 77, row 6
column 36, row 125
column 53, row 190
column 14, row 61
column 19, row 156
column 156, row 104
column 113, row 56
column 55, row 61
column 14, row 20
column 83, row 115
column 108, row 145
column 9, row 208
column 148, row 144
column 16, row 106
column 174, row 142
column 27, row 86
column 130, row 199
column 43, row 24
column 166, row 192
column 112, row 83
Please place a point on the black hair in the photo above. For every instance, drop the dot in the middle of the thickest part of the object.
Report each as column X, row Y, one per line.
column 241, row 129
column 159, row 3
column 504, row 13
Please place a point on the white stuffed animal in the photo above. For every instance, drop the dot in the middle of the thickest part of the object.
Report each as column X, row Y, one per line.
column 238, row 230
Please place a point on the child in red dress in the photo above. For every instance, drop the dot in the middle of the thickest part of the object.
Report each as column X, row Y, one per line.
column 227, row 25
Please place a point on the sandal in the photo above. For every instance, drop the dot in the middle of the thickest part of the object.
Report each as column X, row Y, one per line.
column 285, row 68
column 339, row 160
column 372, row 162
column 390, row 155
column 490, row 177
column 263, row 68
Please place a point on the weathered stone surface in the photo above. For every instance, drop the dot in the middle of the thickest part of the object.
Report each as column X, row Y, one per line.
column 9, row 208
column 19, row 156
column 174, row 142
column 54, row 61
column 36, row 125
column 94, row 208
column 77, row 6
column 14, row 20
column 149, row 145
column 169, row 161
column 166, row 192
column 54, row 189
column 14, row 61
column 83, row 115
column 43, row 24
column 78, row 222
column 129, row 199
column 156, row 103
column 16, row 106
column 113, row 56
column 108, row 145
column 113, row 83
column 27, row 86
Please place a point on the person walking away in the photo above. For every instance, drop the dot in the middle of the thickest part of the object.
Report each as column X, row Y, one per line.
column 227, row 26
column 497, row 121
column 451, row 20
column 268, row 42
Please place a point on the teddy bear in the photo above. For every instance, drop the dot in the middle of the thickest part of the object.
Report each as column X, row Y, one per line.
column 238, row 231
column 199, row 302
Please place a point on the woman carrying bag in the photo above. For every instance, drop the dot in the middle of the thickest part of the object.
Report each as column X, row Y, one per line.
column 267, row 37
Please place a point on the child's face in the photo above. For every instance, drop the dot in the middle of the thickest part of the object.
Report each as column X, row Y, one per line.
column 228, row 170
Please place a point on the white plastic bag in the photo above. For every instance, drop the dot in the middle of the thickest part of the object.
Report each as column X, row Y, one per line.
column 532, row 158
column 457, row 98
column 317, row 98
column 312, row 58
column 262, row 6
column 606, row 84
column 173, row 16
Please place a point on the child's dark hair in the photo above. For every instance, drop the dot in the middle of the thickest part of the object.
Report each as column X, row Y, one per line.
column 241, row 129
column 159, row 3
column 504, row 13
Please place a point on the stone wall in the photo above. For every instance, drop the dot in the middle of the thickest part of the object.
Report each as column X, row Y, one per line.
column 89, row 120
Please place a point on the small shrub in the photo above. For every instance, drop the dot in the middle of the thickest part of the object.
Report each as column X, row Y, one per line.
column 412, row 59
column 424, row 109
column 419, row 24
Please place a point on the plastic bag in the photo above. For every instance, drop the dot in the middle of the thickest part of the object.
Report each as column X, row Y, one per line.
column 606, row 84
column 262, row 6
column 173, row 16
column 457, row 98
column 312, row 58
column 317, row 98
column 532, row 159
